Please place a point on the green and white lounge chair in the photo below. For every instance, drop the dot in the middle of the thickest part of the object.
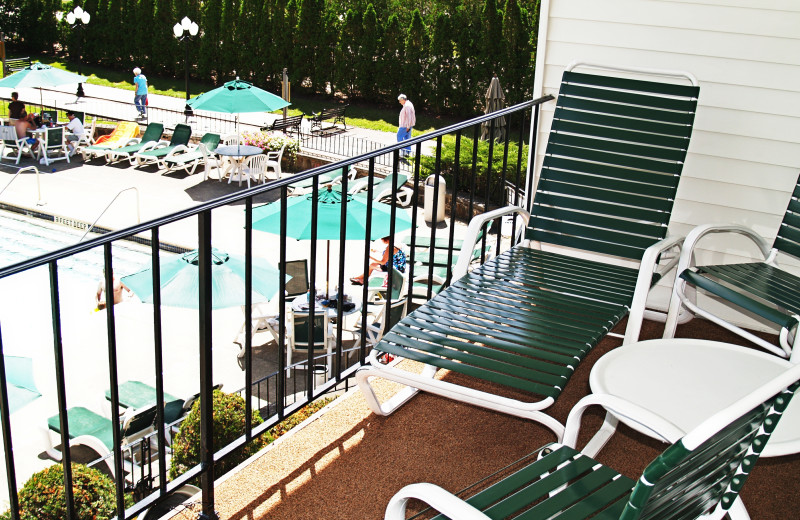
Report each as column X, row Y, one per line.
column 333, row 178
column 527, row 317
column 151, row 154
column 90, row 429
column 152, row 135
column 762, row 288
column 699, row 476
column 382, row 189
column 190, row 158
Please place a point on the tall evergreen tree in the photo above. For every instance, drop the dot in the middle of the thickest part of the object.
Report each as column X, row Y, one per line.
column 391, row 63
column 416, row 59
column 441, row 67
column 370, row 52
column 310, row 31
column 491, row 52
column 518, row 62
column 348, row 53
column 210, row 55
column 164, row 59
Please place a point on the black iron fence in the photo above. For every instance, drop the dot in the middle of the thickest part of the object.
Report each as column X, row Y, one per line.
column 279, row 394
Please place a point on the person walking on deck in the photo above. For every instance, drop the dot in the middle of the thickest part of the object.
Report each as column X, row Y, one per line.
column 140, row 99
column 407, row 121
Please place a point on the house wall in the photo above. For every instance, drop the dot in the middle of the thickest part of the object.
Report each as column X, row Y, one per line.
column 744, row 158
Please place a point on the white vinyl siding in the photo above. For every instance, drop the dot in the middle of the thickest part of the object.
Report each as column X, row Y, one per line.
column 744, row 158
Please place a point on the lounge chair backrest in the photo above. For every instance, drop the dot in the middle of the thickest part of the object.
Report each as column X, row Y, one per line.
column 81, row 116
column 181, row 135
column 613, row 160
column 153, row 132
column 211, row 141
column 788, row 238
column 53, row 115
column 173, row 410
column 141, row 420
column 301, row 330
column 711, row 464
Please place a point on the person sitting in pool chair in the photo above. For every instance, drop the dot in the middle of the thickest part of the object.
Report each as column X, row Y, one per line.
column 398, row 260
column 22, row 125
column 118, row 288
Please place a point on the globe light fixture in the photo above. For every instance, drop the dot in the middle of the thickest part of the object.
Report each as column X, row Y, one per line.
column 77, row 18
column 185, row 31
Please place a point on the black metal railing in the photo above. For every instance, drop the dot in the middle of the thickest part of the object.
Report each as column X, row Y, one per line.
column 283, row 396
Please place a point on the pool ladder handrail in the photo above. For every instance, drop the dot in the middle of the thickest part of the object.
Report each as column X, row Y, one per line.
column 39, row 202
column 138, row 211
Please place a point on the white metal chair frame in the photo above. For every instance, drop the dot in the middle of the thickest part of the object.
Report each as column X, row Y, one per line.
column 274, row 163
column 8, row 135
column 44, row 148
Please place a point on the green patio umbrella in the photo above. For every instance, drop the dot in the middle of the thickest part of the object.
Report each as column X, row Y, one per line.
column 38, row 75
column 298, row 222
column 180, row 281
column 236, row 97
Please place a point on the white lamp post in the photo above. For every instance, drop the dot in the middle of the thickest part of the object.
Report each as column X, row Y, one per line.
column 185, row 31
column 77, row 18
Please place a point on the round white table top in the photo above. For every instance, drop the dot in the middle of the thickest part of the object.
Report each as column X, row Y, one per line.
column 233, row 150
column 300, row 304
column 687, row 380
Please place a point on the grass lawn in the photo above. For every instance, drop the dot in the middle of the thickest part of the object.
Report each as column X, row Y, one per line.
column 374, row 117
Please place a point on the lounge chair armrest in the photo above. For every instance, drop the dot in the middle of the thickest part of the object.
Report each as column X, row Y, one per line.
column 695, row 235
column 152, row 145
column 660, row 427
column 440, row 499
column 359, row 185
column 474, row 233
column 134, row 140
column 181, row 148
column 644, row 282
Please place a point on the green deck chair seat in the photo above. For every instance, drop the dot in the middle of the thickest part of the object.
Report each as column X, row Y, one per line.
column 152, row 134
column 189, row 159
column 762, row 288
column 526, row 318
column 180, row 137
column 83, row 421
column 701, row 472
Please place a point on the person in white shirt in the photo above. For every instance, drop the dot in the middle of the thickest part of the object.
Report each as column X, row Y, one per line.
column 407, row 121
column 75, row 129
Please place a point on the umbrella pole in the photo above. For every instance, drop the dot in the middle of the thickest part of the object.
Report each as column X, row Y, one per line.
column 328, row 273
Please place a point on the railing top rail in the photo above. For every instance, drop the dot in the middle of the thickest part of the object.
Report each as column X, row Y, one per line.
column 256, row 190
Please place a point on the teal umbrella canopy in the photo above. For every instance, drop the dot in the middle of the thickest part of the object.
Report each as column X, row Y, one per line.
column 38, row 75
column 298, row 225
column 180, row 281
column 237, row 96
column 20, row 385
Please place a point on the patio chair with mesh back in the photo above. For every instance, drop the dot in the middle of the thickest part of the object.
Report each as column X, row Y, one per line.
column 152, row 135
column 188, row 159
column 53, row 141
column 17, row 145
column 298, row 270
column 595, row 244
column 762, row 288
column 153, row 153
column 699, row 476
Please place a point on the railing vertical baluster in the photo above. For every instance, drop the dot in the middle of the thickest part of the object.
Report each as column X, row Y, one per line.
column 367, row 242
column 474, row 175
column 159, row 355
column 338, row 355
column 313, row 290
column 206, row 370
column 280, row 400
column 113, row 381
column 66, row 457
column 453, row 209
column 503, row 185
column 248, row 316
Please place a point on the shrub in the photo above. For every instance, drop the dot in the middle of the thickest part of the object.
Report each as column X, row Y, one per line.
column 42, row 496
column 464, row 172
column 272, row 142
column 229, row 425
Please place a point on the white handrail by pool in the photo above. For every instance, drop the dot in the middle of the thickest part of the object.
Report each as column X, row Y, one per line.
column 138, row 212
column 39, row 202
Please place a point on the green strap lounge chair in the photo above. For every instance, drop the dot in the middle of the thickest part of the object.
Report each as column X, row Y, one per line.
column 154, row 153
column 382, row 189
column 762, row 288
column 699, row 476
column 527, row 317
column 152, row 135
column 188, row 159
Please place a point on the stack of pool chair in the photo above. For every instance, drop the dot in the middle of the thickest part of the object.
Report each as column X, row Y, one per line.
column 595, row 244
column 151, row 154
column 152, row 135
column 121, row 136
